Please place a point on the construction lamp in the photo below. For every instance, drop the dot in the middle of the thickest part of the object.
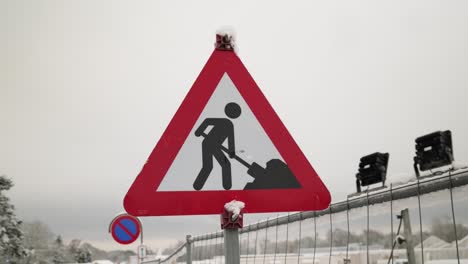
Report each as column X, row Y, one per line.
column 433, row 151
column 372, row 169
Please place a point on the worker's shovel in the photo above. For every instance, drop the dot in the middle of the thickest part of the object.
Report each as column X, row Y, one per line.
column 276, row 175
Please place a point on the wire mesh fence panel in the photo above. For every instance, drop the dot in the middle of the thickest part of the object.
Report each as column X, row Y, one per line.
column 260, row 246
column 218, row 255
column 214, row 246
column 200, row 251
column 270, row 244
column 245, row 246
column 210, row 250
column 308, row 242
column 339, row 238
column 360, row 230
column 323, row 240
column 255, row 248
column 220, row 250
column 179, row 256
column 460, row 204
column 243, row 243
column 412, row 205
column 380, row 233
column 293, row 238
column 249, row 254
column 196, row 251
column 358, row 235
column 204, row 250
column 439, row 236
column 281, row 244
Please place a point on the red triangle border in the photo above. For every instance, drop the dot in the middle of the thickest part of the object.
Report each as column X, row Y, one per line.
column 142, row 199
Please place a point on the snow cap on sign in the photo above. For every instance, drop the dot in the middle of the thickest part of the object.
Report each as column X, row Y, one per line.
column 228, row 30
column 234, row 207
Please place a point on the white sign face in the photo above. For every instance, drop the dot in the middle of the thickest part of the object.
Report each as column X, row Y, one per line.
column 251, row 144
column 141, row 251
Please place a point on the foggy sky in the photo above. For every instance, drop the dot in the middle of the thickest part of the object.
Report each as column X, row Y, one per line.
column 88, row 87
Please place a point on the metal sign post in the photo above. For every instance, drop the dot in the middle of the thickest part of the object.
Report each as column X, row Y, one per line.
column 141, row 252
column 231, row 246
column 231, row 223
column 408, row 236
column 188, row 246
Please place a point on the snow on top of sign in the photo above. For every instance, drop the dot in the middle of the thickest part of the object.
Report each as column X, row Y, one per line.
column 234, row 207
column 228, row 30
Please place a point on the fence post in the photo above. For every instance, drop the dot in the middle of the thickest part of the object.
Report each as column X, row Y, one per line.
column 408, row 236
column 231, row 246
column 188, row 247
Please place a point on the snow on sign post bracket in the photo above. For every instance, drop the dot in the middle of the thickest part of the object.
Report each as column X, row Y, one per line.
column 225, row 142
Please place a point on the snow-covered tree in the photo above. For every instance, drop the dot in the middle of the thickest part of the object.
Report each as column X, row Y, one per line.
column 59, row 241
column 37, row 235
column 11, row 236
column 59, row 257
column 74, row 246
column 83, row 255
column 59, row 254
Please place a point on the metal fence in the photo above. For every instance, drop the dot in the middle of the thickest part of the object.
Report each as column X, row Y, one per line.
column 361, row 229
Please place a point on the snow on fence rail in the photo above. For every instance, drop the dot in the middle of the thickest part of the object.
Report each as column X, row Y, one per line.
column 360, row 229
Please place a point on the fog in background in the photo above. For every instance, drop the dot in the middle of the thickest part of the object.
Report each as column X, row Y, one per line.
column 88, row 87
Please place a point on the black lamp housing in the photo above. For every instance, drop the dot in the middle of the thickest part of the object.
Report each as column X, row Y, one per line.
column 372, row 169
column 433, row 151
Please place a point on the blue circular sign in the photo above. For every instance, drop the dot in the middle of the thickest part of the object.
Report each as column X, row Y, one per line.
column 125, row 229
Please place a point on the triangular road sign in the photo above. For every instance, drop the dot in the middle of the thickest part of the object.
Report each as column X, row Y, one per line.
column 225, row 143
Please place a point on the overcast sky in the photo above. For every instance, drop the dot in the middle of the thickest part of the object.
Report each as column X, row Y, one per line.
column 88, row 87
